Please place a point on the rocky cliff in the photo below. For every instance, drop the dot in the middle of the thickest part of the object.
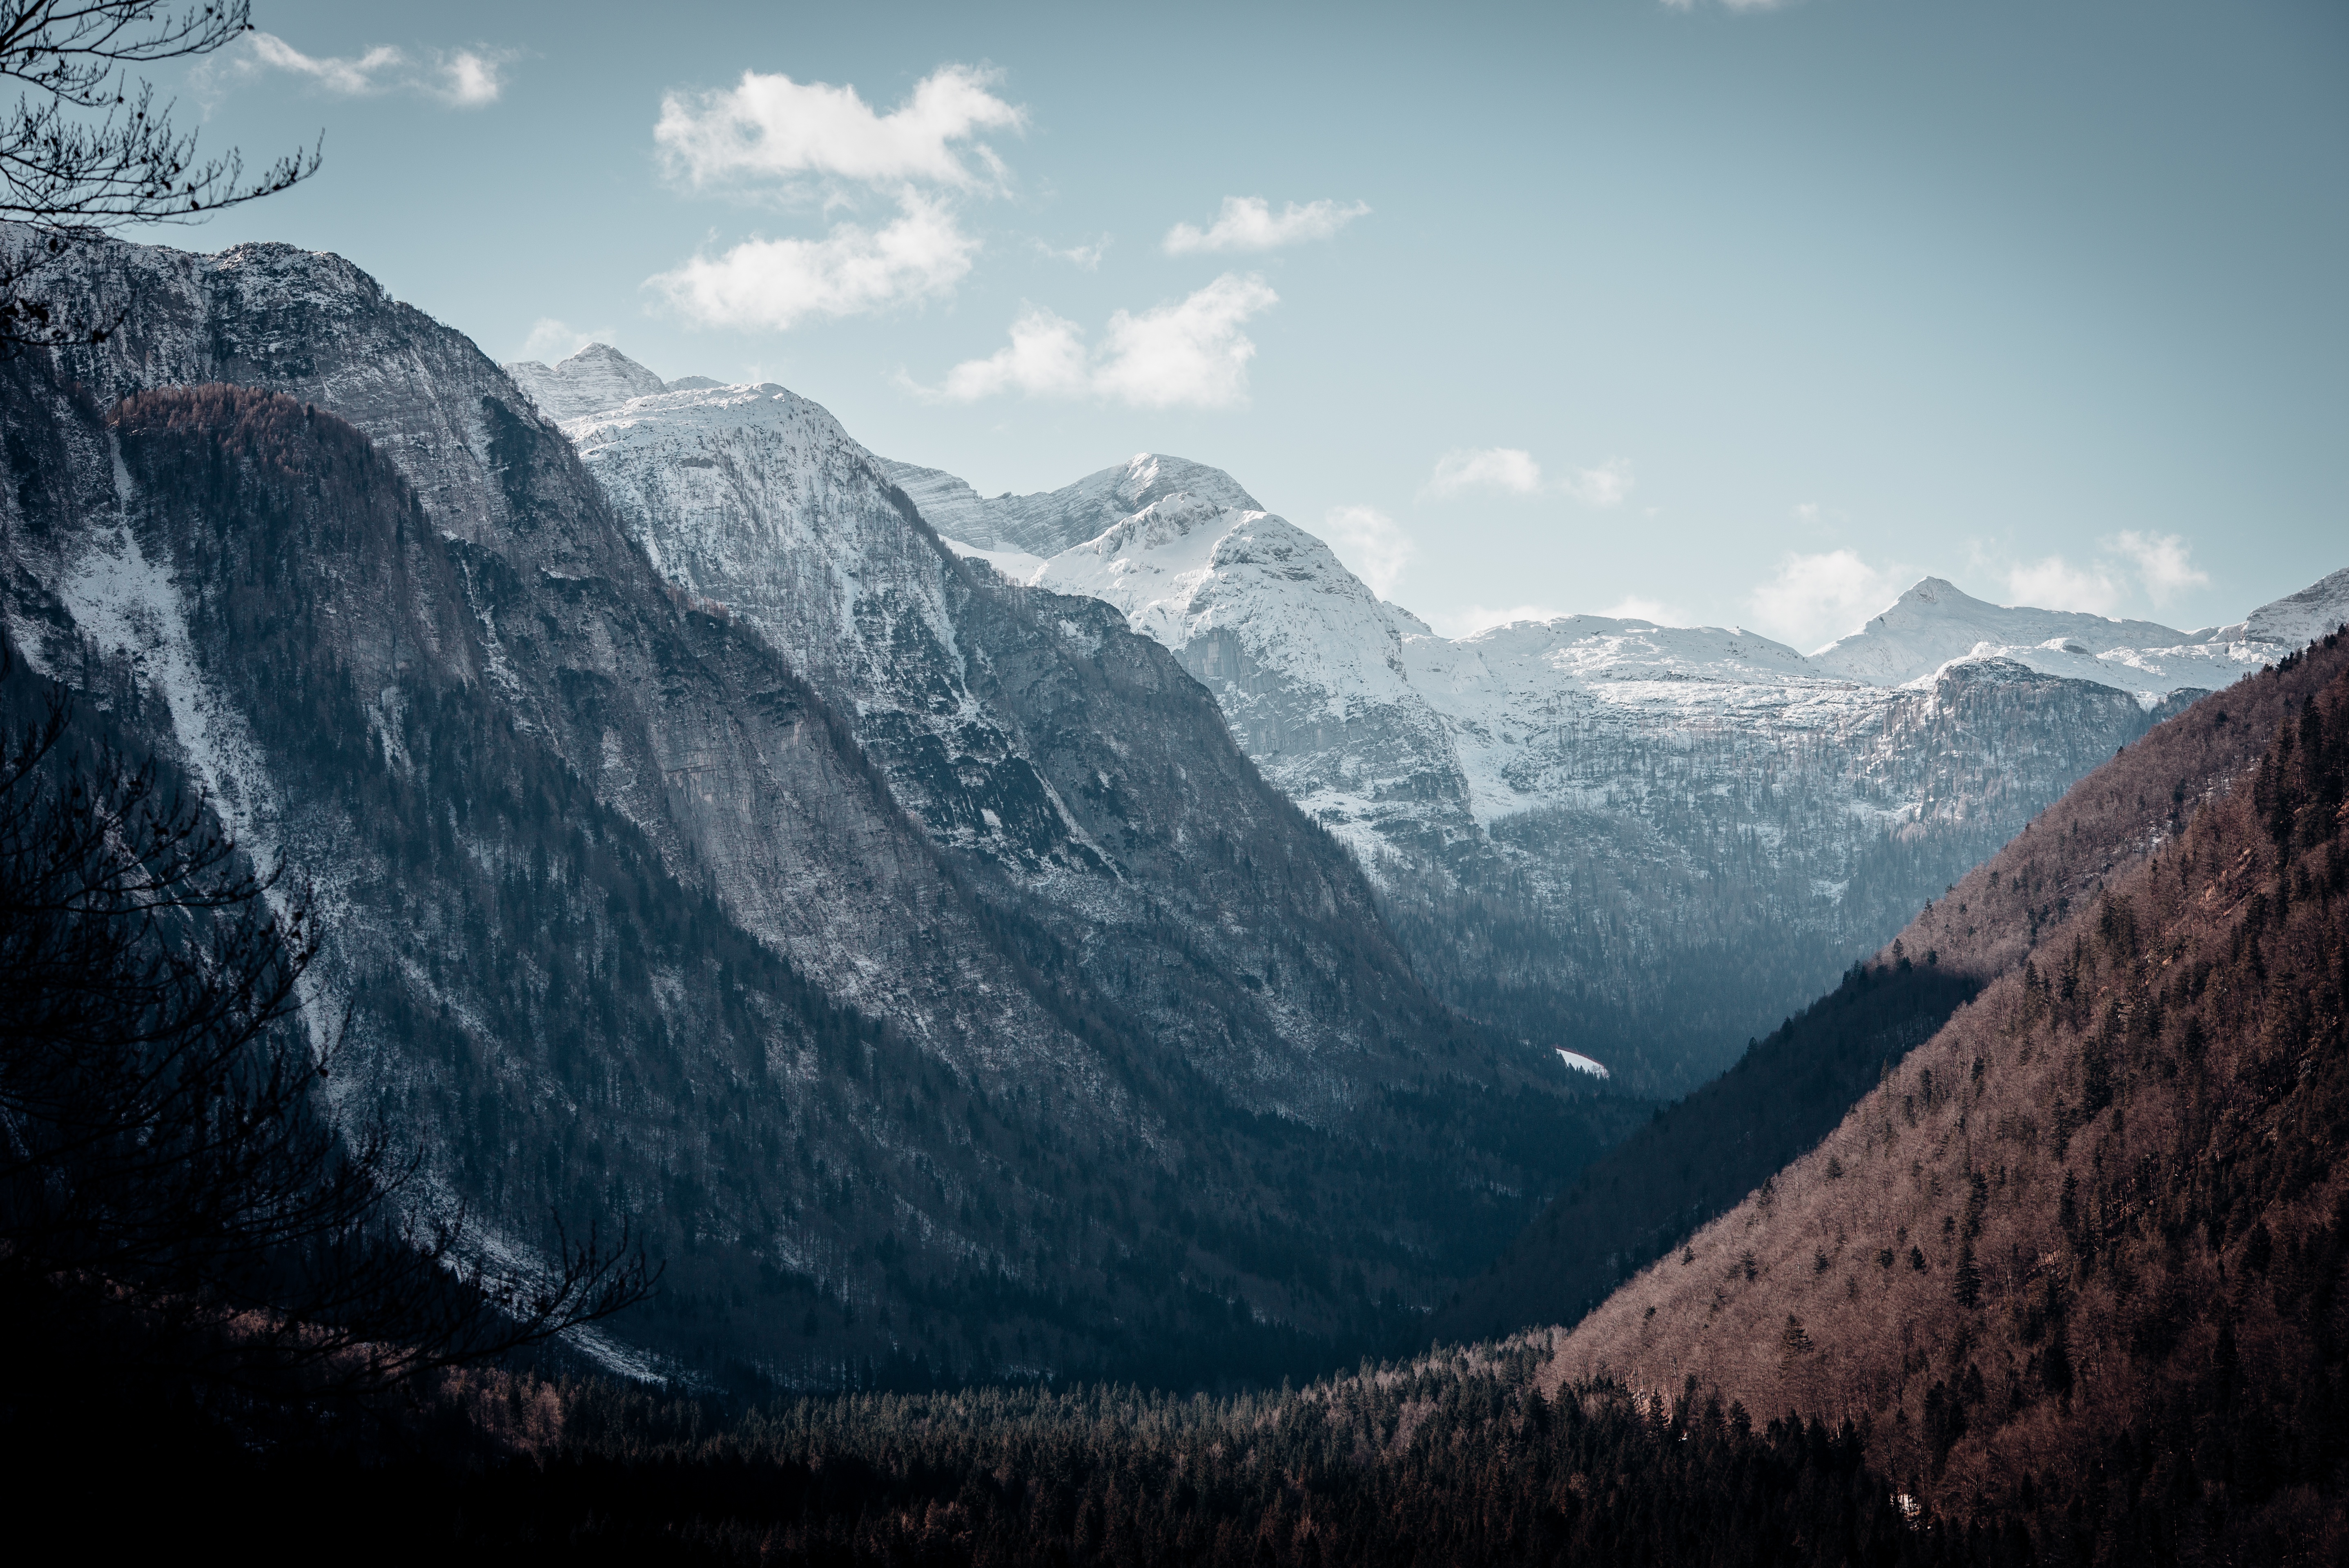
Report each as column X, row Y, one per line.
column 913, row 959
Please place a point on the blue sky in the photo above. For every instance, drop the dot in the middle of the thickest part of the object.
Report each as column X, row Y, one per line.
column 1723, row 314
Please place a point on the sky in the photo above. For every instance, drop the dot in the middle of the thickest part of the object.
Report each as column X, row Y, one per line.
column 1720, row 313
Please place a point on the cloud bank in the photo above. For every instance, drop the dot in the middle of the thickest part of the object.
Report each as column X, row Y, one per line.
column 777, row 284
column 1814, row 599
column 1506, row 470
column 1372, row 545
column 2161, row 563
column 551, row 339
column 770, row 128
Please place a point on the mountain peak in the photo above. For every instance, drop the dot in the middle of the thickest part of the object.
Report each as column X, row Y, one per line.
column 2323, row 606
column 597, row 377
column 1937, row 591
column 1049, row 522
column 1936, row 621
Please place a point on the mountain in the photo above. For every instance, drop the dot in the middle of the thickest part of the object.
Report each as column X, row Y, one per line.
column 1050, row 521
column 597, row 376
column 2081, row 1254
column 1934, row 622
column 938, row 988
column 1703, row 1155
column 1644, row 844
column 2066, row 1286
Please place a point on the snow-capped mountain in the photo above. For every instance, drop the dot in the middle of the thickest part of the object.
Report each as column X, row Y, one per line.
column 1567, row 820
column 1609, row 802
column 1052, row 521
column 912, row 959
column 1933, row 623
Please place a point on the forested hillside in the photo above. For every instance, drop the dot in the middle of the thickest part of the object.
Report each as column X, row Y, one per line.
column 570, row 837
column 1697, row 1158
column 2088, row 1248
column 2071, row 1286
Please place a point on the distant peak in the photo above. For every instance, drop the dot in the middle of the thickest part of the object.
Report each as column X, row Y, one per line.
column 599, row 376
column 1935, row 591
column 600, row 354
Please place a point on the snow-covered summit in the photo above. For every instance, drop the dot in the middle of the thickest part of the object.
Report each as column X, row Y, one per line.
column 1933, row 625
column 1593, row 785
column 1384, row 730
column 1050, row 521
column 2298, row 619
column 596, row 377
column 1936, row 621
column 1603, row 648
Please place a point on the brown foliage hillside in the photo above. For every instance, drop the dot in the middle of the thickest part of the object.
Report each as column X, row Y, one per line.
column 1644, row 1197
column 2101, row 1220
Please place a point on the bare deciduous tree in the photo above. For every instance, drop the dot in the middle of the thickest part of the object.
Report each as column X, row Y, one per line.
column 172, row 1178
column 86, row 150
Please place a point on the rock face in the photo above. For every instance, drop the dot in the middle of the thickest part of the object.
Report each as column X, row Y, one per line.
column 597, row 376
column 1054, row 521
column 1644, row 843
column 912, row 957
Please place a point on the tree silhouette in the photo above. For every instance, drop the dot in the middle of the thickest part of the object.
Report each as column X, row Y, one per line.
column 85, row 150
column 173, row 1179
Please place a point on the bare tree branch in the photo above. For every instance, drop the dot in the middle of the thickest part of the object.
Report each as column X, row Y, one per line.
column 85, row 150
column 169, row 1166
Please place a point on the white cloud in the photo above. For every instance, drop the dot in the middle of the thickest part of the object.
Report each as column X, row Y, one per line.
column 771, row 134
column 1515, row 472
column 1603, row 486
column 551, row 340
column 2053, row 583
column 771, row 127
column 776, row 283
column 1087, row 258
column 464, row 78
column 1249, row 223
column 354, row 77
column 1503, row 469
column 1372, row 545
column 1814, row 599
column 2161, row 563
column 1189, row 353
column 472, row 78
column 1046, row 357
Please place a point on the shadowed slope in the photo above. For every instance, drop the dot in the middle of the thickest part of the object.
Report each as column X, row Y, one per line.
column 1704, row 1154
column 2092, row 1240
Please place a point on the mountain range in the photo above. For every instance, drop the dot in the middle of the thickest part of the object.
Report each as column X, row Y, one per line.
column 1641, row 844
column 1076, row 935
column 1003, row 1020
